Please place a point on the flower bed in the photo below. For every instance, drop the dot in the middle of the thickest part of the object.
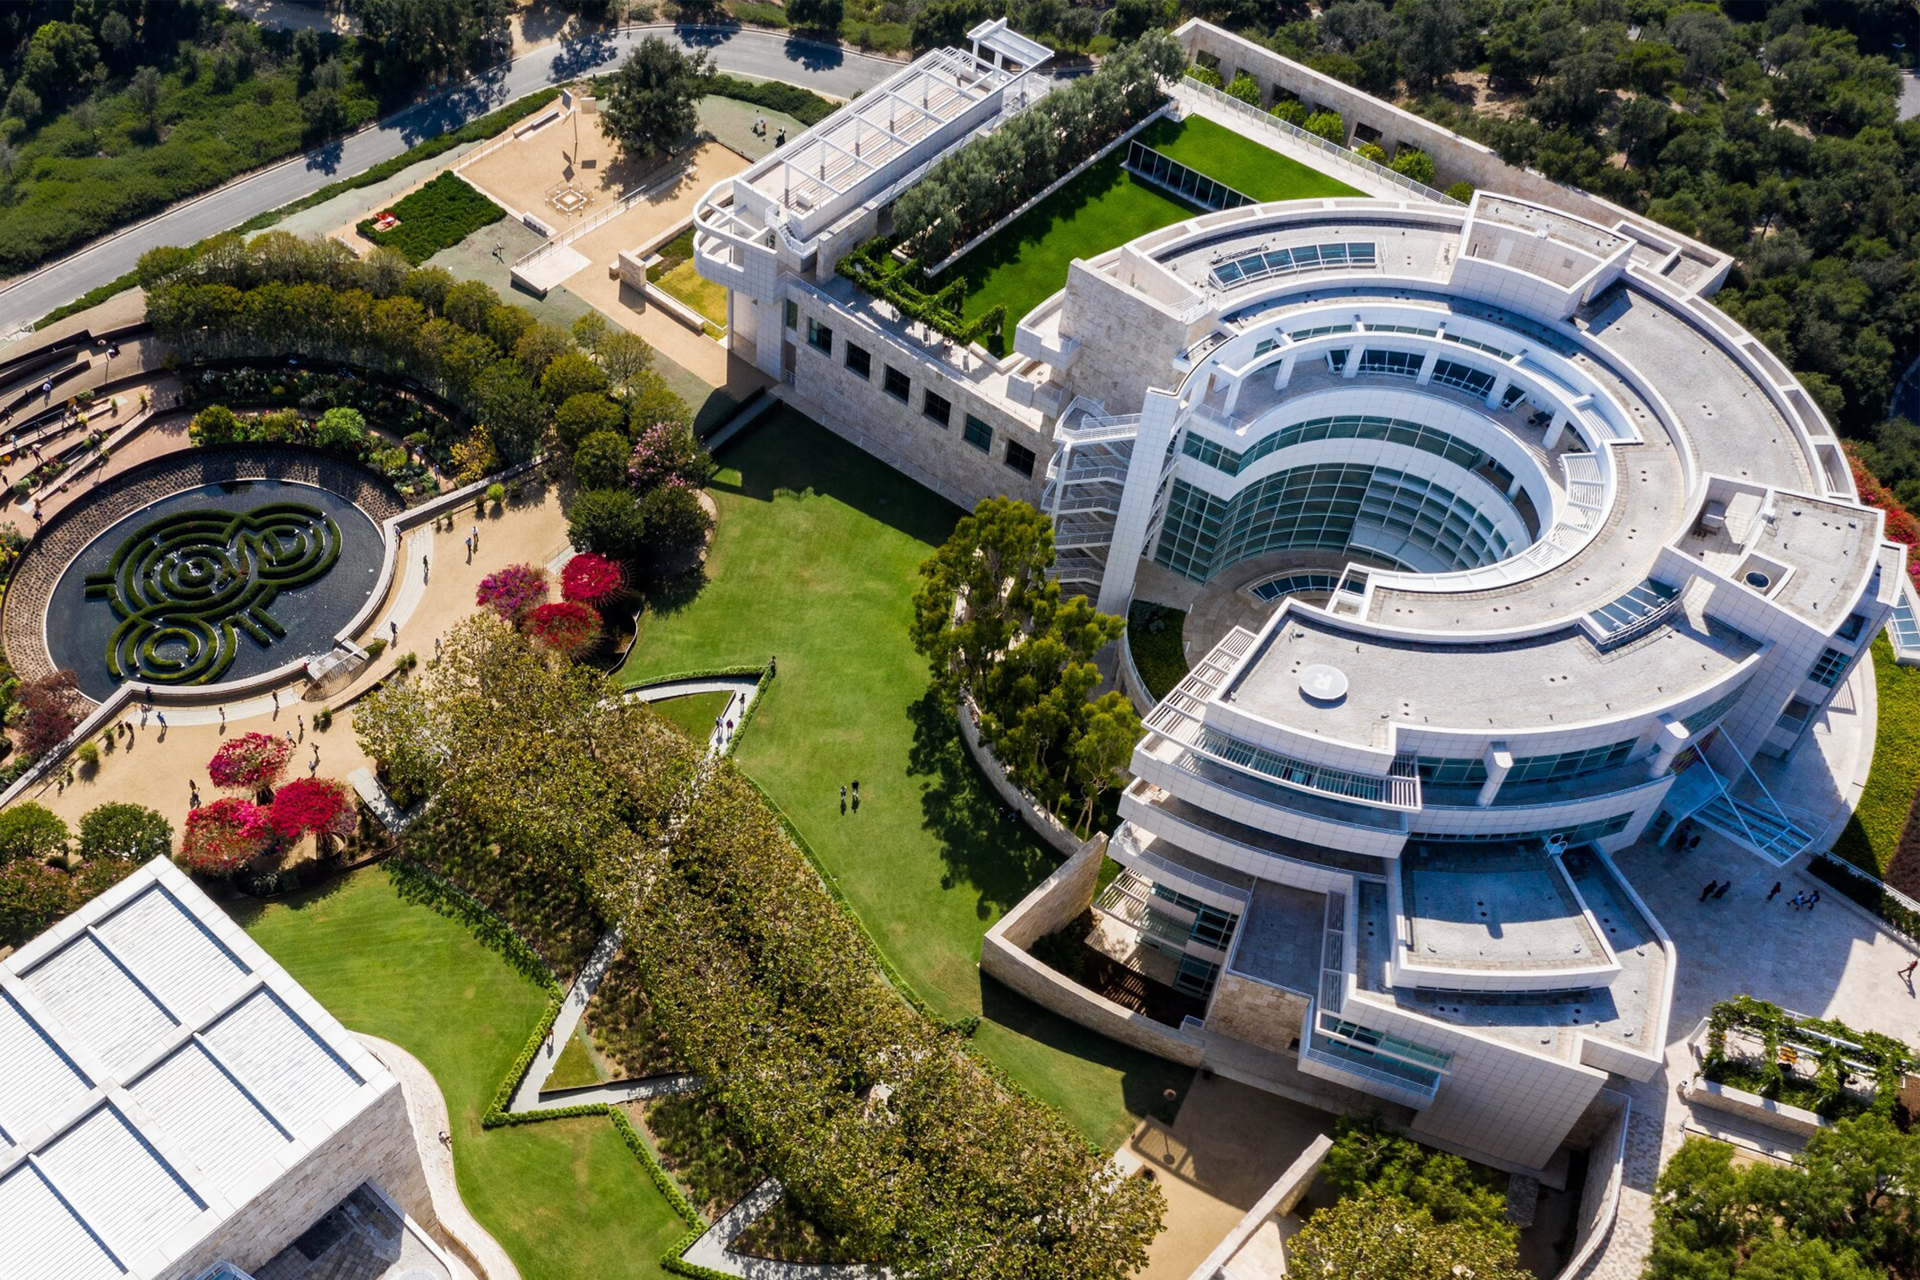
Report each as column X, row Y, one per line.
column 438, row 216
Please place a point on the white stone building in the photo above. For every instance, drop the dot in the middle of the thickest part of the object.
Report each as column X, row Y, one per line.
column 1503, row 549
column 172, row 1102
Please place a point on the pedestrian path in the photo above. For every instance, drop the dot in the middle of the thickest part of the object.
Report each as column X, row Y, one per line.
column 711, row 1250
column 727, row 726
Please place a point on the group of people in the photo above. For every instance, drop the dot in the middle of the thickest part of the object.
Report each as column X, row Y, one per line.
column 1716, row 889
column 856, row 796
column 760, row 131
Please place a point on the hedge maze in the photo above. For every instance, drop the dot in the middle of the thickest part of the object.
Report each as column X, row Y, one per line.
column 186, row 587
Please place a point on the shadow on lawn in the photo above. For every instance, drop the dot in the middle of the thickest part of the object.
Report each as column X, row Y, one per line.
column 1144, row 1079
column 1000, row 859
column 786, row 454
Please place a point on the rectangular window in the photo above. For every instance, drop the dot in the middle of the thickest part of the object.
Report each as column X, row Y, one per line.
column 1828, row 670
column 819, row 337
column 1401, row 364
column 859, row 361
column 1452, row 771
column 979, row 434
column 1336, row 360
column 1512, row 395
column 1851, row 628
column 937, row 408
column 1570, row 764
column 793, row 314
column 1020, row 458
column 897, row 385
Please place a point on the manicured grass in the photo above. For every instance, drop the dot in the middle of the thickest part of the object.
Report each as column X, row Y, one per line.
column 1105, row 207
column 438, row 216
column 1026, row 263
column 698, row 292
column 1241, row 163
column 693, row 715
column 575, row 1066
column 1872, row 836
column 815, row 561
column 672, row 254
column 565, row 1198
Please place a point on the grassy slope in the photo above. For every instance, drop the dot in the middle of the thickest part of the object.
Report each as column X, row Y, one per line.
column 693, row 715
column 1872, row 835
column 1244, row 165
column 1105, row 207
column 815, row 561
column 406, row 974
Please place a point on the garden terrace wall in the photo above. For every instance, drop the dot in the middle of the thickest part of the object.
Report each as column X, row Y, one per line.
column 1058, row 899
column 1043, row 823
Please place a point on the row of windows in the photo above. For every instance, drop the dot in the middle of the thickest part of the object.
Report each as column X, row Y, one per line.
column 1831, row 665
column 1306, row 257
column 1464, row 377
column 1452, row 771
column 1211, row 926
column 1713, row 711
column 1293, row 584
column 1322, row 506
column 1400, row 364
column 1301, row 773
column 1562, row 765
column 934, row 407
column 1340, row 427
column 1598, row 829
column 1380, row 1044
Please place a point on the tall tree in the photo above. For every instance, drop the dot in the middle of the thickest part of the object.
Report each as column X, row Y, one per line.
column 650, row 106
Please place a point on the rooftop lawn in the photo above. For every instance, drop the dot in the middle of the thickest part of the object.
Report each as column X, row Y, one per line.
column 815, row 561
column 407, row 974
column 1103, row 208
column 1873, row 836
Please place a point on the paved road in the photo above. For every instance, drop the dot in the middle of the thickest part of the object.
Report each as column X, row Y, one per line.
column 831, row 70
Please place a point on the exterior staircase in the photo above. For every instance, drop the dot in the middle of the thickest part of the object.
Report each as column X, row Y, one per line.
column 1772, row 835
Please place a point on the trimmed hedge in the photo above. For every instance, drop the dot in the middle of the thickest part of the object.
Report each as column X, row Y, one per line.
column 417, row 884
column 740, row 730
column 871, row 266
column 807, row 107
column 437, row 216
column 1154, row 633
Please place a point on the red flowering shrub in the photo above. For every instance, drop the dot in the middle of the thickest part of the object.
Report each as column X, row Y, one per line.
column 1902, row 527
column 250, row 761
column 224, row 836
column 514, row 591
column 50, row 710
column 591, row 579
column 320, row 805
column 568, row 627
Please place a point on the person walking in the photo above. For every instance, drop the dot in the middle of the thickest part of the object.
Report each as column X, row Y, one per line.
column 1693, row 843
column 1797, row 900
column 425, row 572
column 1721, row 892
column 1708, row 891
column 1813, row 899
column 1907, row 973
column 475, row 535
column 1773, row 892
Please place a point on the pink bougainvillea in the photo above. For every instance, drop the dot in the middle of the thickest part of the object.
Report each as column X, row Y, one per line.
column 321, row 805
column 514, row 591
column 569, row 627
column 224, row 836
column 591, row 579
column 250, row 761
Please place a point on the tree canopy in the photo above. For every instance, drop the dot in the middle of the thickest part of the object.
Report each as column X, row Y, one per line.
column 651, row 99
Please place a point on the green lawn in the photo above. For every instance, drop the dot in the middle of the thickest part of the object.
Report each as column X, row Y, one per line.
column 1871, row 838
column 406, row 974
column 815, row 561
column 693, row 715
column 1244, row 165
column 575, row 1066
column 1105, row 207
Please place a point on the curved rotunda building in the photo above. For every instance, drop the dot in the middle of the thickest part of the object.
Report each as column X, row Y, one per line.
column 1502, row 549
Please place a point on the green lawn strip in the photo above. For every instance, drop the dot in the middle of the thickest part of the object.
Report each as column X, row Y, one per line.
column 815, row 561
column 439, row 215
column 693, row 715
column 672, row 254
column 698, row 292
column 1240, row 162
column 565, row 1198
column 1872, row 834
column 1025, row 263
column 1153, row 636
column 574, row 1066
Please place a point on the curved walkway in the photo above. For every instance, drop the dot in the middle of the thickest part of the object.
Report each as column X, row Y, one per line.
column 739, row 51
column 427, row 1110
column 743, row 688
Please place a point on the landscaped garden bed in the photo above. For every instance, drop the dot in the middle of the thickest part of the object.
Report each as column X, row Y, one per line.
column 438, row 216
column 1154, row 637
column 1877, row 837
column 1816, row 1064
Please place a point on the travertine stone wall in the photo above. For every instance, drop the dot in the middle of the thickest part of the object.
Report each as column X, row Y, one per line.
column 1127, row 342
column 1257, row 1012
column 375, row 1146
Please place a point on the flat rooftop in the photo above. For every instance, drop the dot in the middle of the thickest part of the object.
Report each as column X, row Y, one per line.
column 1470, row 684
column 1280, row 937
column 1493, row 908
column 157, row 1071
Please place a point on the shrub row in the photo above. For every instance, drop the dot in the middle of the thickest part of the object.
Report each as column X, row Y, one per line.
column 872, row 267
column 759, row 691
column 418, row 884
column 807, row 107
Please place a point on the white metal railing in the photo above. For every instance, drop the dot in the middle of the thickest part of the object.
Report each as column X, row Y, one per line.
column 509, row 136
column 1095, row 430
column 1397, row 1087
column 1317, row 142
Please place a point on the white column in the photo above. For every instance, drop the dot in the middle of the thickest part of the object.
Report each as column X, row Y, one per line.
column 1159, row 415
column 1500, row 385
column 1353, row 360
column 1499, row 763
column 1283, row 373
column 1554, row 432
column 1426, row 368
column 1673, row 739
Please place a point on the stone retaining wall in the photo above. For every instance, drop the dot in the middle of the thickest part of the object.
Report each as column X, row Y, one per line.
column 1058, row 899
column 1606, row 1165
column 1774, row 1115
column 1043, row 823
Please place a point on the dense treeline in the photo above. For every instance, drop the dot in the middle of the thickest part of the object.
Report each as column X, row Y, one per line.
column 113, row 109
column 278, row 295
column 888, row 1132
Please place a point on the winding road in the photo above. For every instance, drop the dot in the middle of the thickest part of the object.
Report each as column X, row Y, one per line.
column 828, row 69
